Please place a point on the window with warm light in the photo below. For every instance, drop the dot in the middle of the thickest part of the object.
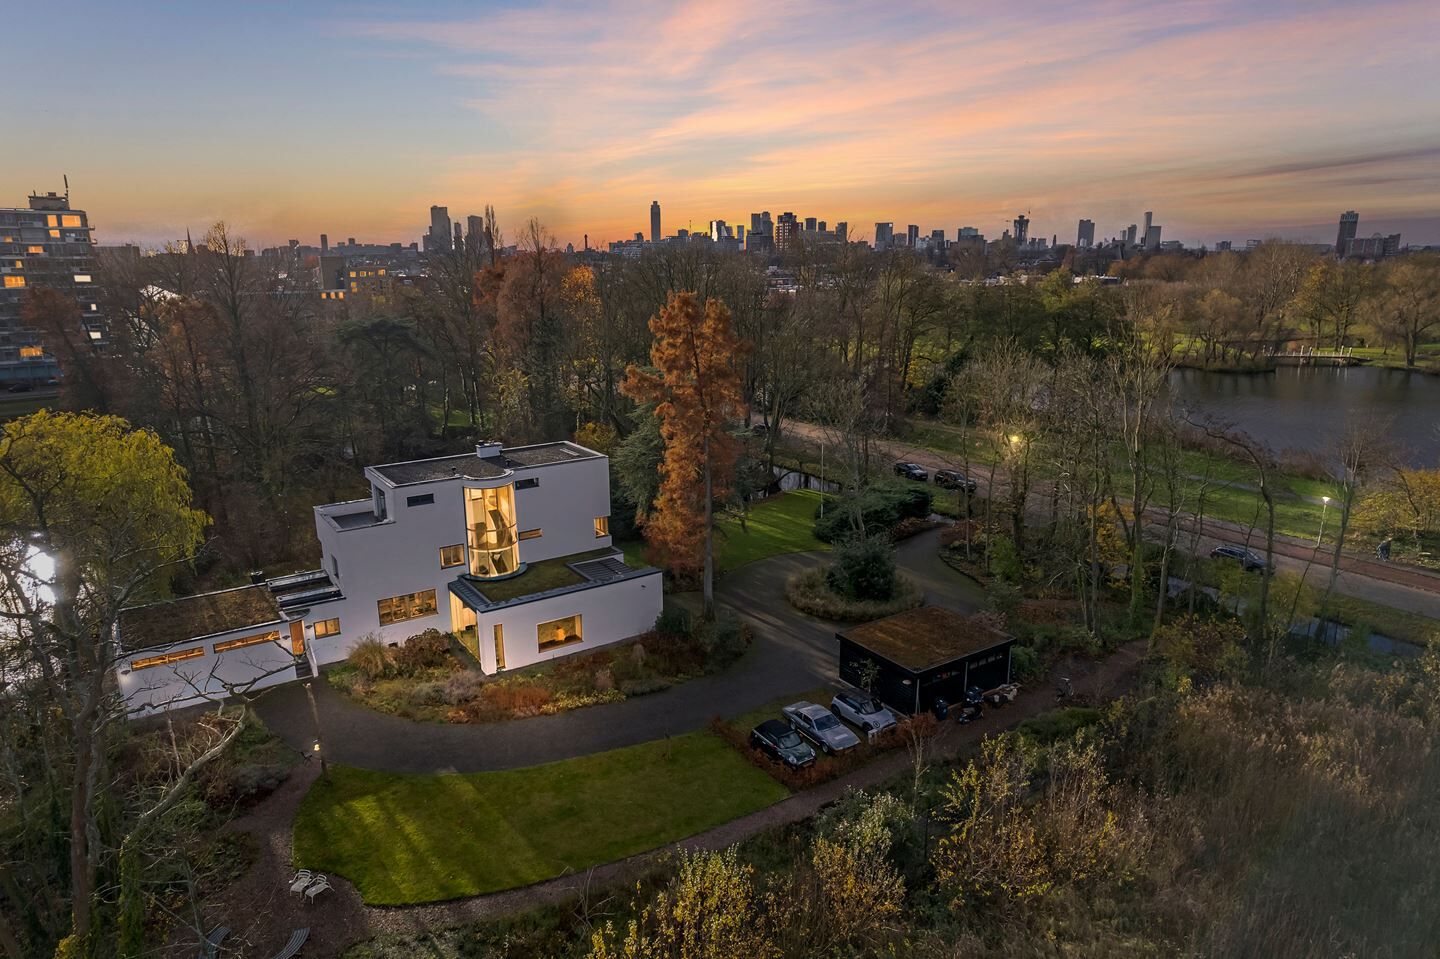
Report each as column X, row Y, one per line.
column 452, row 555
column 70, row 220
column 14, row 282
column 531, row 533
column 490, row 518
column 243, row 641
column 165, row 659
column 54, row 234
column 327, row 627
column 34, row 249
column 397, row 609
column 558, row 632
column 31, row 352
column 602, row 526
column 52, row 220
column 82, row 277
column 499, row 646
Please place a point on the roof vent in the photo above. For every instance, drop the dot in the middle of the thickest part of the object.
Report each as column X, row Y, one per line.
column 488, row 449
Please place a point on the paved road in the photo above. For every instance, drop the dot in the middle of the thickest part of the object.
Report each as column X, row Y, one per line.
column 792, row 652
column 1401, row 587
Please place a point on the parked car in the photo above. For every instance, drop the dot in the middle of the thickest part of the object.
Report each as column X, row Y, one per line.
column 954, row 479
column 912, row 471
column 21, row 388
column 1248, row 559
column 821, row 727
column 781, row 743
column 863, row 711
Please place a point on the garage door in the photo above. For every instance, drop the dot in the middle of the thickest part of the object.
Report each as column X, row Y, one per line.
column 990, row 669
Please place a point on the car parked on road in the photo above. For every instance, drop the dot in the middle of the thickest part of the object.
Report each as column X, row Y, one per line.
column 821, row 727
column 912, row 471
column 1249, row 560
column 779, row 741
column 862, row 711
column 954, row 479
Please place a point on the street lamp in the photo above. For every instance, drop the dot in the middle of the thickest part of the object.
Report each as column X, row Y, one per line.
column 1324, row 508
column 315, row 717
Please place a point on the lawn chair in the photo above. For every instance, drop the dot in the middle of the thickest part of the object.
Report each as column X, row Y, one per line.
column 292, row 948
column 302, row 879
column 316, row 888
column 211, row 946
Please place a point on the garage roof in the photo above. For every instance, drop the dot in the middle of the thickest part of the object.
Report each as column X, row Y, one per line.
column 924, row 638
column 194, row 617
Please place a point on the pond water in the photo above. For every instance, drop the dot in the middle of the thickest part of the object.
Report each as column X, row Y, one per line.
column 1306, row 408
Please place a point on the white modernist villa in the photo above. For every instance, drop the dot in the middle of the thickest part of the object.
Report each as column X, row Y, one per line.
column 508, row 548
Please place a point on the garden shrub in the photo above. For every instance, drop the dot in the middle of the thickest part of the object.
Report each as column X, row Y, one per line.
column 428, row 694
column 423, row 651
column 911, row 526
column 674, row 620
column 464, row 686
column 1025, row 664
column 645, row 685
column 881, row 509
column 723, row 640
column 372, row 658
column 864, row 570
column 1004, row 558
column 243, row 784
column 604, row 680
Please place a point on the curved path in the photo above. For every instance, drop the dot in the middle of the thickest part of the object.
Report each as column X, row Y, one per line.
column 791, row 652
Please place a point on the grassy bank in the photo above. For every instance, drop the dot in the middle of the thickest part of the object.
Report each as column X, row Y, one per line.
column 405, row 839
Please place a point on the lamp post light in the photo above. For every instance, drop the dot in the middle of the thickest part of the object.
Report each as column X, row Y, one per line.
column 1324, row 508
column 315, row 716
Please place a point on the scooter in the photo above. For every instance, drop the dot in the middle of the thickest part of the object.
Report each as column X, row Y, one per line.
column 972, row 709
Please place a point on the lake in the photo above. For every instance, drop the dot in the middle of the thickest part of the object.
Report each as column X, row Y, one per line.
column 1304, row 408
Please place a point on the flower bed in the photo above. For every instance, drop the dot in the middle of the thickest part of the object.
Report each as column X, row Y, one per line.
column 809, row 592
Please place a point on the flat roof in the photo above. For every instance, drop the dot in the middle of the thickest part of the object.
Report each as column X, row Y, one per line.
column 192, row 617
column 923, row 638
column 472, row 466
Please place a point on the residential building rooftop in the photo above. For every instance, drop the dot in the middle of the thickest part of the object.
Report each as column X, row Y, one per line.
column 476, row 466
column 195, row 617
column 921, row 639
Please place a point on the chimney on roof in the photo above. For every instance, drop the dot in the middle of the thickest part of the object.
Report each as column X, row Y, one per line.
column 488, row 449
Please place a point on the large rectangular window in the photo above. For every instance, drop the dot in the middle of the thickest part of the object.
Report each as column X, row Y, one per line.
column 558, row 632
column 166, row 658
column 602, row 526
column 327, row 627
column 243, row 641
column 397, row 609
column 452, row 555
column 13, row 282
column 490, row 517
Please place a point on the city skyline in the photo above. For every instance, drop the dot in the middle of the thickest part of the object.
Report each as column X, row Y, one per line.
column 1208, row 113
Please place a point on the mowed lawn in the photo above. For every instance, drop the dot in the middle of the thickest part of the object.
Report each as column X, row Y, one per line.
column 404, row 839
column 784, row 523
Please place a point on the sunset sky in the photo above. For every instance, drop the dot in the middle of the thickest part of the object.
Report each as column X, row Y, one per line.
column 1229, row 120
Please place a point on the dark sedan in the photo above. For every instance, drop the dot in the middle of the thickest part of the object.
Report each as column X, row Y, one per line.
column 954, row 479
column 912, row 471
column 1249, row 560
column 777, row 740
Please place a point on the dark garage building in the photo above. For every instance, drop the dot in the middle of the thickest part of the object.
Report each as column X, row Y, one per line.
column 923, row 654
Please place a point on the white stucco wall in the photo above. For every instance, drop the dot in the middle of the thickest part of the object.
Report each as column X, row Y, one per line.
column 204, row 678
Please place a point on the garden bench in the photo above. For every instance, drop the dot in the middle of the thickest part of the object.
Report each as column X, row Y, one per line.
column 211, row 945
column 292, row 948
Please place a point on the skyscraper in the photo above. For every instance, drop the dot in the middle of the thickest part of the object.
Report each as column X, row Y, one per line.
column 912, row 236
column 787, row 231
column 1349, row 223
column 1130, row 235
column 884, row 235
column 1149, row 218
column 439, row 240
column 654, row 221
column 842, row 231
column 1085, row 236
column 44, row 246
column 1022, row 229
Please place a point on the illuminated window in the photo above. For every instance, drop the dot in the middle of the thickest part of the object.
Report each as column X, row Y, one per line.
column 82, row 277
column 54, row 234
column 327, row 627
column 602, row 526
column 530, row 534
column 452, row 555
column 499, row 646
column 243, row 641
column 96, row 335
column 166, row 658
column 490, row 518
column 70, row 220
column 352, row 274
column 558, row 632
column 31, row 352
column 14, row 282
column 397, row 609
column 52, row 220
column 34, row 249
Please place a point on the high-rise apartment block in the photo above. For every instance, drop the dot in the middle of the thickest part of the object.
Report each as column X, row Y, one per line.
column 46, row 245
column 1085, row 235
column 1349, row 224
column 439, row 239
column 884, row 235
column 654, row 221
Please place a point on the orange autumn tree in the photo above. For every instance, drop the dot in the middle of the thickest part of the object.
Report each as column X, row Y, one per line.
column 696, row 391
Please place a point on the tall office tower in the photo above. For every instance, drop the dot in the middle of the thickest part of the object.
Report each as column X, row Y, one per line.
column 937, row 239
column 1085, row 236
column 1130, row 235
column 459, row 236
column 740, row 233
column 654, row 221
column 759, row 241
column 912, row 236
column 1349, row 223
column 324, row 243
column 1152, row 236
column 884, row 235
column 438, row 240
column 820, row 226
column 842, row 231
column 755, row 223
column 766, row 224
column 46, row 245
column 1022, row 229
column 809, row 224
column 719, row 230
column 787, row 231
column 474, row 233
column 965, row 231
column 1149, row 219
